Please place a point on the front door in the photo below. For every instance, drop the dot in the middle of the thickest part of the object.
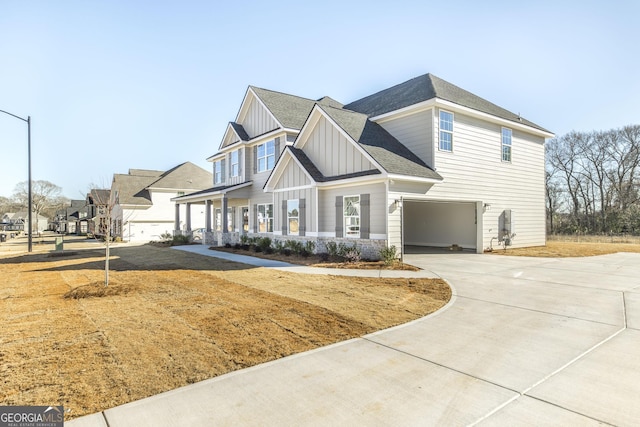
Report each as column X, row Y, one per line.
column 245, row 219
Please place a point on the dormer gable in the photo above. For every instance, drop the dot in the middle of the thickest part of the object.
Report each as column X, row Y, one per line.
column 235, row 133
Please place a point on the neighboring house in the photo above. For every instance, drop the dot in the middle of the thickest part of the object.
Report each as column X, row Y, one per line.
column 142, row 206
column 422, row 163
column 97, row 205
column 8, row 222
column 16, row 222
column 73, row 219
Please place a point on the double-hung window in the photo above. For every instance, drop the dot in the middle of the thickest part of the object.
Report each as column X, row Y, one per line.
column 506, row 144
column 265, row 218
column 234, row 159
column 351, row 216
column 218, row 171
column 293, row 217
column 266, row 156
column 446, row 131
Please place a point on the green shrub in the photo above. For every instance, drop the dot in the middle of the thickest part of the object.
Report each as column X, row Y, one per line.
column 388, row 255
column 278, row 246
column 332, row 250
column 310, row 246
column 166, row 237
column 295, row 246
column 263, row 243
column 180, row 239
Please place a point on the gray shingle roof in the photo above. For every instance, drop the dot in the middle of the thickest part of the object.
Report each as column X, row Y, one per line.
column 290, row 110
column 134, row 189
column 426, row 87
column 315, row 173
column 185, row 176
column 387, row 151
column 99, row 196
column 240, row 131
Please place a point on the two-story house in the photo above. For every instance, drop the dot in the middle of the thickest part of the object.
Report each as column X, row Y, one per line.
column 141, row 206
column 422, row 163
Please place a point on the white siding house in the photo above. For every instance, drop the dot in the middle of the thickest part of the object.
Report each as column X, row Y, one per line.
column 142, row 206
column 423, row 163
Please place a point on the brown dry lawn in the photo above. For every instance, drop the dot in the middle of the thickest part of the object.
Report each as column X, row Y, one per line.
column 169, row 319
column 585, row 247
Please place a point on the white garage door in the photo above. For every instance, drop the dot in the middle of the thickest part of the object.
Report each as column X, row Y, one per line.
column 440, row 224
column 145, row 231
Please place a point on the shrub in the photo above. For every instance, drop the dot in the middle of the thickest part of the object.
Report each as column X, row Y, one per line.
column 278, row 246
column 263, row 243
column 388, row 255
column 332, row 249
column 227, row 245
column 237, row 246
column 286, row 252
column 166, row 237
column 310, row 246
column 180, row 239
column 295, row 246
column 324, row 257
column 244, row 240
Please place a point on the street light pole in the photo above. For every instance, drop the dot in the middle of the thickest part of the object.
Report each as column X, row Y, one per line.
column 30, row 203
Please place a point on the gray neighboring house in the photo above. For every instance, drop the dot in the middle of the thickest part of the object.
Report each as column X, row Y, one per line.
column 422, row 163
column 15, row 221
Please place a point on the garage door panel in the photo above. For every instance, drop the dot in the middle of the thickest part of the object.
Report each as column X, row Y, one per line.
column 440, row 224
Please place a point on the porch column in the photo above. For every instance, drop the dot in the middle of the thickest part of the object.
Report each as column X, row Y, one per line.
column 176, row 225
column 188, row 216
column 225, row 223
column 207, row 211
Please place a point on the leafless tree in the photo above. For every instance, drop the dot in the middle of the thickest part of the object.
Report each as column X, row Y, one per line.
column 44, row 195
column 597, row 173
column 103, row 223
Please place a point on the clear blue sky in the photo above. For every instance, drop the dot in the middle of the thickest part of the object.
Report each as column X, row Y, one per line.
column 114, row 85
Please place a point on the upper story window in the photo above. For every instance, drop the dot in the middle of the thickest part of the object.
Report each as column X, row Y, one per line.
column 446, row 131
column 506, row 144
column 351, row 215
column 218, row 171
column 235, row 163
column 266, row 156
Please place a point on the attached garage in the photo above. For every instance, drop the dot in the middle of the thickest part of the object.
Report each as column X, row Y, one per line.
column 145, row 231
column 442, row 224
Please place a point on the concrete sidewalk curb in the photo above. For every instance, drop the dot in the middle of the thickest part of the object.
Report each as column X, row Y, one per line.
column 303, row 269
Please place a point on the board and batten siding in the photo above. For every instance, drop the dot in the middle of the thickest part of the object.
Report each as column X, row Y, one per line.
column 414, row 132
column 378, row 208
column 332, row 153
column 474, row 171
column 257, row 120
column 233, row 180
column 310, row 208
column 230, row 138
column 293, row 176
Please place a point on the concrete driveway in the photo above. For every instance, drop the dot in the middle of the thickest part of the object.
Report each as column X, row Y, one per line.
column 524, row 341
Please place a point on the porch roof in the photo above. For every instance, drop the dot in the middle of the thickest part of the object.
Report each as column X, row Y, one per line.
column 210, row 193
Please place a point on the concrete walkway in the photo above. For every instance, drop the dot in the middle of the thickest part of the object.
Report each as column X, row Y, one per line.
column 524, row 341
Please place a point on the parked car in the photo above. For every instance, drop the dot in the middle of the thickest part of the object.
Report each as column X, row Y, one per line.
column 198, row 234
